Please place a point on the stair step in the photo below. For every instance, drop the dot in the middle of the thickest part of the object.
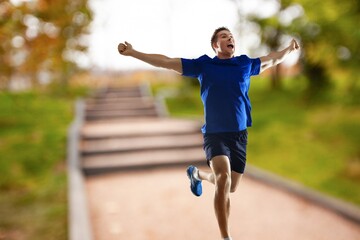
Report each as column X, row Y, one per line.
column 128, row 100
column 120, row 106
column 142, row 160
column 125, row 112
column 123, row 94
column 139, row 127
column 141, row 143
column 120, row 114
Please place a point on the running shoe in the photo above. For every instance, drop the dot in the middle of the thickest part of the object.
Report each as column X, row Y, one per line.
column 195, row 185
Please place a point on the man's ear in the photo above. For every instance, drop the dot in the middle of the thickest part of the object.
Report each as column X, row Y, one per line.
column 214, row 45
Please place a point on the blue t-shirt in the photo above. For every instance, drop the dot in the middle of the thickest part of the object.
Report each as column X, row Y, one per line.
column 224, row 90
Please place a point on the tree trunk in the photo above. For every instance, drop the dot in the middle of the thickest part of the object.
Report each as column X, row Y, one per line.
column 276, row 77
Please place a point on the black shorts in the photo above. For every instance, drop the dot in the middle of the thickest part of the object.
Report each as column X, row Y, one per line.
column 231, row 144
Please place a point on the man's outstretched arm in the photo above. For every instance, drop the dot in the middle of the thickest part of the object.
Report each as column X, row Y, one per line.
column 156, row 60
column 275, row 58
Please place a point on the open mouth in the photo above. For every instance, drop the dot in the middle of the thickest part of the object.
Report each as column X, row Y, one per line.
column 230, row 46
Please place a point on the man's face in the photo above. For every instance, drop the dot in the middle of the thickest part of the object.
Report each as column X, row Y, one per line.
column 225, row 44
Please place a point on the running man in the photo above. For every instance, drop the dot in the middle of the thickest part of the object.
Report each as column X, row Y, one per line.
column 224, row 81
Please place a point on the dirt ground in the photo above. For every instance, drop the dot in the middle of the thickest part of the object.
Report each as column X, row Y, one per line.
column 158, row 205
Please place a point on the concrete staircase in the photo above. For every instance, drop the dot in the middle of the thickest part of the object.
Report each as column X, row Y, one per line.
column 126, row 129
column 121, row 103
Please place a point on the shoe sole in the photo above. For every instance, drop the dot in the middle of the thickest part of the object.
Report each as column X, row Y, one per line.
column 191, row 180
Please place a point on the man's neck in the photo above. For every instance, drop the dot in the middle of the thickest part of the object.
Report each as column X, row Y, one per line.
column 224, row 55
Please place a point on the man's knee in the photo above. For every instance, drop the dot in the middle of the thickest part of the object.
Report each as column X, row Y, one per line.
column 233, row 188
column 222, row 172
column 235, row 180
column 223, row 180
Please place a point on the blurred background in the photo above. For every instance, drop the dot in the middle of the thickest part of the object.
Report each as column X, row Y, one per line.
column 306, row 111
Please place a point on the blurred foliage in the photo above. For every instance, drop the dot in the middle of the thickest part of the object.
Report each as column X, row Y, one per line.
column 330, row 37
column 33, row 185
column 40, row 39
column 329, row 34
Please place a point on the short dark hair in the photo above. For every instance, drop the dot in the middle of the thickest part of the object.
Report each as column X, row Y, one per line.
column 214, row 36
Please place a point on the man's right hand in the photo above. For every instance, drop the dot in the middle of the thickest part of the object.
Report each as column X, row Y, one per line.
column 125, row 48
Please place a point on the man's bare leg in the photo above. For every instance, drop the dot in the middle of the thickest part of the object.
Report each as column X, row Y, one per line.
column 220, row 166
column 209, row 176
column 221, row 203
column 235, row 180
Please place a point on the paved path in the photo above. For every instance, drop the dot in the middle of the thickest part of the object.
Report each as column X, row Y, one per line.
column 137, row 188
column 157, row 205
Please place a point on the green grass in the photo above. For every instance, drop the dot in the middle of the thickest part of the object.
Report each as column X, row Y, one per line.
column 33, row 182
column 315, row 143
column 312, row 144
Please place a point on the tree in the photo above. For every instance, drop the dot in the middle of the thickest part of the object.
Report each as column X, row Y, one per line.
column 329, row 35
column 272, row 29
column 331, row 41
column 40, row 38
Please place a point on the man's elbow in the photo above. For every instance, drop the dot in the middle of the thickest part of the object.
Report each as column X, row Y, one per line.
column 262, row 69
column 266, row 65
column 174, row 64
